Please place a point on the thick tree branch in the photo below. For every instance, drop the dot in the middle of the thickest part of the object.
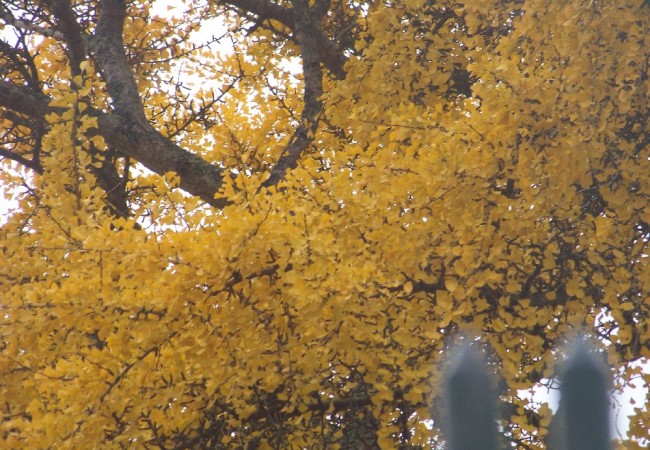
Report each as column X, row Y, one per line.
column 305, row 24
column 315, row 48
column 160, row 155
column 25, row 101
column 29, row 163
column 12, row 96
column 327, row 50
column 71, row 31
column 265, row 9
column 6, row 15
column 111, row 58
column 20, row 60
column 320, row 8
column 145, row 145
column 128, row 129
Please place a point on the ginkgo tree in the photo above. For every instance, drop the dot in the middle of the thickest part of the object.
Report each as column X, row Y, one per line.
column 271, row 238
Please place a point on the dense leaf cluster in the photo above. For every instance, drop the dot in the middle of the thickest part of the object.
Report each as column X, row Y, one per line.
column 262, row 224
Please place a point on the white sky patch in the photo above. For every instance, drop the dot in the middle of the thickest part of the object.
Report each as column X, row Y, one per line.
column 6, row 205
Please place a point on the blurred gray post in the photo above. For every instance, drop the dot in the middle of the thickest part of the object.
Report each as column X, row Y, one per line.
column 470, row 403
column 584, row 392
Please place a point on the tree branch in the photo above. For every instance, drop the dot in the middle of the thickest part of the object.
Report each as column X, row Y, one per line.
column 160, row 155
column 29, row 163
column 328, row 51
column 305, row 25
column 6, row 15
column 25, row 101
column 145, row 145
column 265, row 10
column 111, row 58
column 71, row 31
column 20, row 60
column 128, row 129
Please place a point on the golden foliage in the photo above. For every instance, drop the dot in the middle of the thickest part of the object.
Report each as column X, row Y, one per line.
column 482, row 168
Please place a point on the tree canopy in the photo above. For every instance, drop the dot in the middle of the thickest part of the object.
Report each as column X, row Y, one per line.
column 271, row 237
